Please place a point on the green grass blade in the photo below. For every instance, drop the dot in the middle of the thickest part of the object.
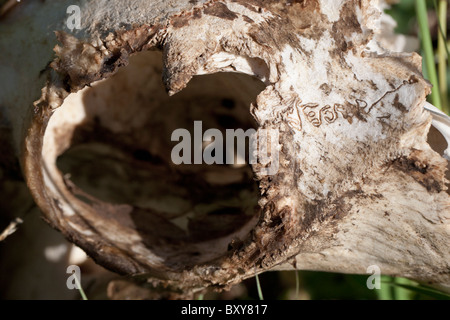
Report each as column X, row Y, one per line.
column 441, row 9
column 443, row 53
column 258, row 285
column 386, row 292
column 427, row 46
column 400, row 292
column 83, row 295
column 430, row 292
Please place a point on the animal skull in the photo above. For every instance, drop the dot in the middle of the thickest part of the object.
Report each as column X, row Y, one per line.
column 357, row 183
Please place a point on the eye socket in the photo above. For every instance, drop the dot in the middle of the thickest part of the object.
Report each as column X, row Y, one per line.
column 116, row 159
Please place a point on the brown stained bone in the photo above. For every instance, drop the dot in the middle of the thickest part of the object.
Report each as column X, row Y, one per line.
column 358, row 184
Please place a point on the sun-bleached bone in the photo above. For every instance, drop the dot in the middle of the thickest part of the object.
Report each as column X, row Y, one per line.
column 358, row 184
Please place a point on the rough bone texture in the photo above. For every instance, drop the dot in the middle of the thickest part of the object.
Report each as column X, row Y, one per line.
column 358, row 184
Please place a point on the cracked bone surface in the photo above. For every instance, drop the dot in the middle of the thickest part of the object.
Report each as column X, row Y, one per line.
column 358, row 184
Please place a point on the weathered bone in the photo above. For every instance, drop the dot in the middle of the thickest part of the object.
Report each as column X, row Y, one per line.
column 358, row 183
